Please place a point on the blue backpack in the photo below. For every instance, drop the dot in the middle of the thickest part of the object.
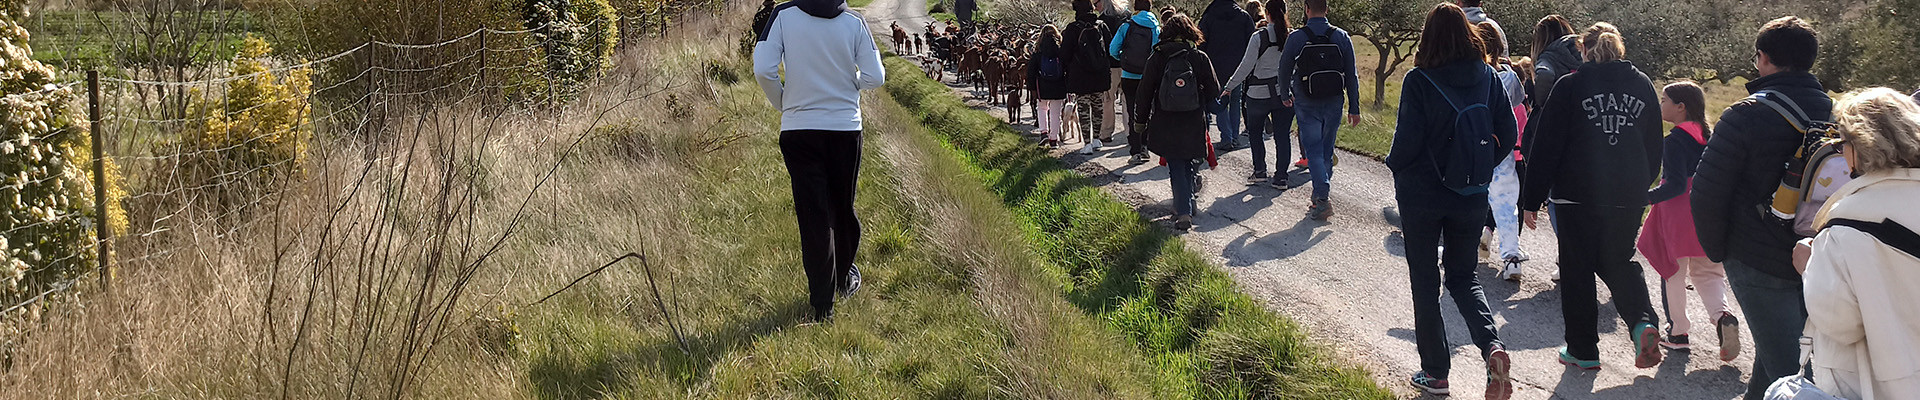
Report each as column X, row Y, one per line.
column 1467, row 158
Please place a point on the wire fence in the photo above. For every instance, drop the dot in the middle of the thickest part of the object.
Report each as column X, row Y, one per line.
column 143, row 137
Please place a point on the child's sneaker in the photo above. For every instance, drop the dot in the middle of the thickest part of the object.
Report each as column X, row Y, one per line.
column 1645, row 344
column 1676, row 342
column 1429, row 384
column 1258, row 178
column 1512, row 271
column 1499, row 382
column 1729, row 328
column 1568, row 360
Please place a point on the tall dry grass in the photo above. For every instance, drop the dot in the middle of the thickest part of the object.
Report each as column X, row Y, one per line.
column 398, row 266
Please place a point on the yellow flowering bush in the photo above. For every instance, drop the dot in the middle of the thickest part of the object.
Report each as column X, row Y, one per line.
column 257, row 131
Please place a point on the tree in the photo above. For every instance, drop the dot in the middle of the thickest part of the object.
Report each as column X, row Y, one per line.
column 1392, row 26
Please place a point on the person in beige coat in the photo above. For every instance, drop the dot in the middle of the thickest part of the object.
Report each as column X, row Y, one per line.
column 1863, row 295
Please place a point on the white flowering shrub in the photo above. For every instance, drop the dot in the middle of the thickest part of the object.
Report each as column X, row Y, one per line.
column 47, row 217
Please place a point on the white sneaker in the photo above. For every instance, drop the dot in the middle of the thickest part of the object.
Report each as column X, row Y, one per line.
column 1088, row 149
column 1512, row 271
column 1486, row 245
column 1556, row 275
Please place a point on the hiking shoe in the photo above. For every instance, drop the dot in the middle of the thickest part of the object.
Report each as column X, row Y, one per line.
column 1429, row 384
column 1729, row 328
column 1499, row 382
column 1279, row 182
column 1321, row 210
column 851, row 283
column 1183, row 223
column 1138, row 159
column 1568, row 360
column 1676, row 342
column 1646, row 340
column 1512, row 271
column 1258, row 178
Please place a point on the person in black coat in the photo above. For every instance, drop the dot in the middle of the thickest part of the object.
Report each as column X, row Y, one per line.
column 1179, row 137
column 1738, row 173
column 1047, row 75
column 1089, row 77
column 1230, row 28
column 1451, row 73
column 1596, row 152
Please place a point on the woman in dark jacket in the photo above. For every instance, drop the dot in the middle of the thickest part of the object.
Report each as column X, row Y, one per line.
column 1451, row 74
column 1179, row 137
column 1047, row 75
column 1594, row 154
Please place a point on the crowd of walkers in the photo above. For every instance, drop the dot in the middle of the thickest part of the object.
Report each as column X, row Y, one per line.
column 1790, row 201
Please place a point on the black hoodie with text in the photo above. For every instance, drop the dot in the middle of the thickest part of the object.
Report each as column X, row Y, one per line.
column 1598, row 142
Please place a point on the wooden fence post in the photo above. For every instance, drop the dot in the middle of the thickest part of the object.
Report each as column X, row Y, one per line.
column 101, row 229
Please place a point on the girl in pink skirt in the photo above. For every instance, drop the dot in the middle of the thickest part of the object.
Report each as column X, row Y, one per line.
column 1668, row 240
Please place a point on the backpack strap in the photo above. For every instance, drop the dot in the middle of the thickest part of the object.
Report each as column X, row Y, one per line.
column 1786, row 107
column 1436, row 87
column 1888, row 231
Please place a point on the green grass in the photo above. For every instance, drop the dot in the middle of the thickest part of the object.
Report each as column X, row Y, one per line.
column 1204, row 338
column 78, row 40
column 858, row 3
column 951, row 308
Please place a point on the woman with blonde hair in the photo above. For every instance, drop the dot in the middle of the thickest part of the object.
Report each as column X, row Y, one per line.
column 1596, row 151
column 1863, row 269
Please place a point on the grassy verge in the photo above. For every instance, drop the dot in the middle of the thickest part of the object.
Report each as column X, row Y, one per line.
column 1204, row 338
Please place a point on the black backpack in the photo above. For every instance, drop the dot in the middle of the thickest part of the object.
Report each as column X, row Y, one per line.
column 1050, row 68
column 1467, row 158
column 1320, row 66
column 1092, row 58
column 1136, row 47
column 1179, row 87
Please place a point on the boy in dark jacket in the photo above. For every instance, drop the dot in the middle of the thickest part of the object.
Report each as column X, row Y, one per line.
column 1596, row 153
column 1180, row 137
column 1739, row 171
column 1228, row 28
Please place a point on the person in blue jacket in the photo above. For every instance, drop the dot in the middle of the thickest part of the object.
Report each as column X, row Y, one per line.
column 1132, row 52
column 1318, row 60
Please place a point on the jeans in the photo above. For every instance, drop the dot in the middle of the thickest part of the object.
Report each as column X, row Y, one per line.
column 1228, row 119
column 1269, row 117
column 1184, row 175
column 1319, row 128
column 825, row 169
column 1136, row 140
column 1093, row 117
column 1599, row 241
column 1776, row 315
column 1460, row 228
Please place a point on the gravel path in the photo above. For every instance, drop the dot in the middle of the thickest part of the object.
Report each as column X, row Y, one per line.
column 1346, row 279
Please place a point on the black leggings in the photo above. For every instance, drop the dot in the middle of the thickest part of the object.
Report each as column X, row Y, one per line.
column 1136, row 139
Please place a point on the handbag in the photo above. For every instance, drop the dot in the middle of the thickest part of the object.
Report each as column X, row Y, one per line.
column 1799, row 386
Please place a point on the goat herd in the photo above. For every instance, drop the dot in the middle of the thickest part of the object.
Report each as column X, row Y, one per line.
column 991, row 58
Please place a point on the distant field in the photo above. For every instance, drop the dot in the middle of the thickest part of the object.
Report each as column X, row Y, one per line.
column 79, row 39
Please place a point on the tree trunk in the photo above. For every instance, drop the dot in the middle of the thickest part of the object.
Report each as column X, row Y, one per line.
column 1380, row 73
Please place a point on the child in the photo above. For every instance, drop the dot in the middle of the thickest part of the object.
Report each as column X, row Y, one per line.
column 1669, row 241
column 1503, row 196
column 1047, row 75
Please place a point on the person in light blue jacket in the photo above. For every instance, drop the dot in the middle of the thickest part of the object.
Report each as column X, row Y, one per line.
column 830, row 57
column 1132, row 44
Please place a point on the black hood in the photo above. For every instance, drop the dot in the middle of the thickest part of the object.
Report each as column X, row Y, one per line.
column 828, row 9
column 1462, row 75
column 821, row 8
column 1563, row 51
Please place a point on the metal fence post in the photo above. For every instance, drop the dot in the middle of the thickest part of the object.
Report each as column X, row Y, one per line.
column 101, row 229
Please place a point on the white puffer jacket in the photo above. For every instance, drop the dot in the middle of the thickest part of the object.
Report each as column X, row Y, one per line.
column 1863, row 296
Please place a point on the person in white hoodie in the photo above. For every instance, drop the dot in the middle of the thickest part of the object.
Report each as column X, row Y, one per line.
column 1863, row 270
column 830, row 56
